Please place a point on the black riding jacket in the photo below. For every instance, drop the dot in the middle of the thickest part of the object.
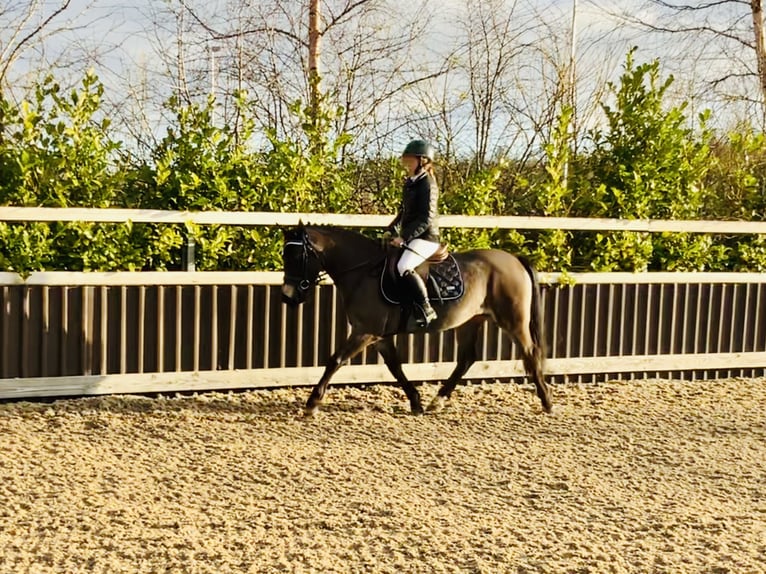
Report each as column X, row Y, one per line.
column 418, row 213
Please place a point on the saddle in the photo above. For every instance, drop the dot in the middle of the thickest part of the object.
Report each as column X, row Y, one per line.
column 440, row 273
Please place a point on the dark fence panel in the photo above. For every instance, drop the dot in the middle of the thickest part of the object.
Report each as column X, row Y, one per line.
column 49, row 331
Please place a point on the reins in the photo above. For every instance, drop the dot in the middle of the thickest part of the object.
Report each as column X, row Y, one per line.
column 367, row 263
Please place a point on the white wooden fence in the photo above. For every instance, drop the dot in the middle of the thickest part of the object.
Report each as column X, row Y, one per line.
column 609, row 324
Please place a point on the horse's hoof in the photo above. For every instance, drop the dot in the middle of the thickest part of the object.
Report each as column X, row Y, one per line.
column 417, row 410
column 437, row 404
column 309, row 412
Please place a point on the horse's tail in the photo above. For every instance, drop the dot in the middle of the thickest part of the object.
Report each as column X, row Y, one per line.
column 535, row 313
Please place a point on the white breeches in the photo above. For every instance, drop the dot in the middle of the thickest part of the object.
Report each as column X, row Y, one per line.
column 419, row 250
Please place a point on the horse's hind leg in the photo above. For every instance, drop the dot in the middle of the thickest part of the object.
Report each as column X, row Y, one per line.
column 533, row 364
column 353, row 346
column 532, row 357
column 387, row 350
column 466, row 356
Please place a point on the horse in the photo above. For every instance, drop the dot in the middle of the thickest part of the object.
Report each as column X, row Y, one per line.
column 497, row 286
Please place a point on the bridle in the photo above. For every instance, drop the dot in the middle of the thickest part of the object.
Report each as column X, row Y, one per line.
column 303, row 282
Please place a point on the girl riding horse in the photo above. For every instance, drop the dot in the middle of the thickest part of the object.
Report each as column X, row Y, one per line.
column 419, row 229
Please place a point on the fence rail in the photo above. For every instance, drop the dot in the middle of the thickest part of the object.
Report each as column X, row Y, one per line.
column 247, row 218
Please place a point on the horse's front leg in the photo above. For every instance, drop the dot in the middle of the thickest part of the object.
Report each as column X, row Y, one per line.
column 353, row 346
column 387, row 350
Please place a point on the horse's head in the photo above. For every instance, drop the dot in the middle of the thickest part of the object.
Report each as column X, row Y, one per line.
column 302, row 263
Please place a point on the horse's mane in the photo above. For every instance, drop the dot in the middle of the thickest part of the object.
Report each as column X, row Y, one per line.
column 344, row 234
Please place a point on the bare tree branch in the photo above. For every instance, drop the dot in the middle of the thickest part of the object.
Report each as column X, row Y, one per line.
column 347, row 11
column 20, row 45
column 216, row 35
column 19, row 27
column 702, row 6
column 690, row 29
column 719, row 29
column 732, row 76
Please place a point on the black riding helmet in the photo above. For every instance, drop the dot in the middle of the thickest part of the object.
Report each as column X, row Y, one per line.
column 419, row 148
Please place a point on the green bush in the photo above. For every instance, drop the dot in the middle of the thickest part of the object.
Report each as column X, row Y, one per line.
column 646, row 164
column 553, row 248
column 55, row 151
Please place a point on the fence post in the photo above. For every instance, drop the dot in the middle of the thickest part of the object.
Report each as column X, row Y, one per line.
column 187, row 252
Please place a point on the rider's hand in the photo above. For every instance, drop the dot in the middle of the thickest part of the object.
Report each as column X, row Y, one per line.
column 397, row 242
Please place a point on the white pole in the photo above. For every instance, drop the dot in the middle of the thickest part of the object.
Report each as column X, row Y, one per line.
column 571, row 91
column 573, row 48
column 213, row 77
column 211, row 48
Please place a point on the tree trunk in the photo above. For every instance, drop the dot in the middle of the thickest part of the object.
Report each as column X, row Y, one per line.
column 760, row 48
column 314, row 54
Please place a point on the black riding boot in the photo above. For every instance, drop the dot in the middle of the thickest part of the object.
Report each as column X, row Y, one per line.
column 417, row 288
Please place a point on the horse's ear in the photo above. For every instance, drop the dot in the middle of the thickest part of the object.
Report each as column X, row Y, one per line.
column 300, row 223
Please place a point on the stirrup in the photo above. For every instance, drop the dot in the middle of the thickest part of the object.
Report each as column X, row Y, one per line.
column 424, row 318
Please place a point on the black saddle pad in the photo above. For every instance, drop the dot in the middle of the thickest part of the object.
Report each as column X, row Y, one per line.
column 444, row 281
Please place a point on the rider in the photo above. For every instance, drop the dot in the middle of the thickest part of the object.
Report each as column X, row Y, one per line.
column 419, row 230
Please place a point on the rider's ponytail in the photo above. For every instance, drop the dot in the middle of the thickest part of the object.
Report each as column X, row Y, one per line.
column 428, row 166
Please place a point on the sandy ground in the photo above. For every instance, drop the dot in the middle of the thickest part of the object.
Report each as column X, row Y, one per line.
column 624, row 477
